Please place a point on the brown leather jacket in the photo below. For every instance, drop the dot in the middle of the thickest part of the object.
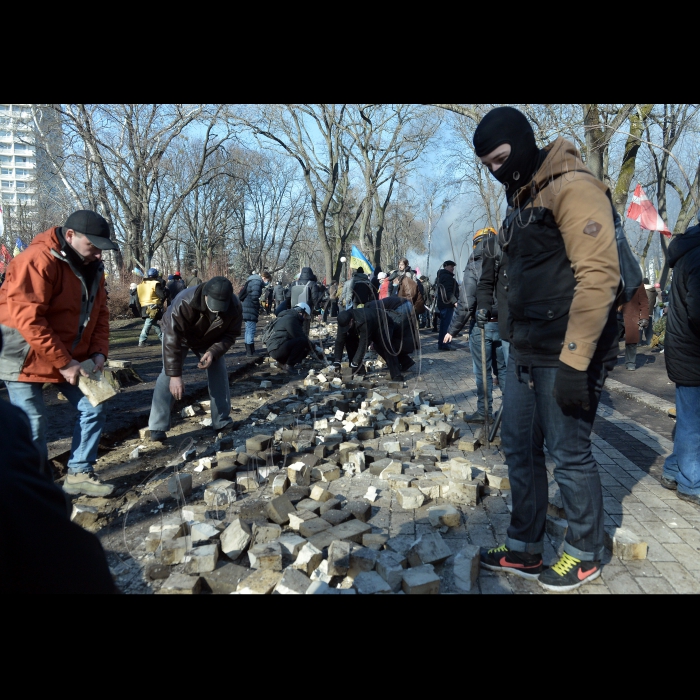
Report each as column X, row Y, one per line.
column 188, row 323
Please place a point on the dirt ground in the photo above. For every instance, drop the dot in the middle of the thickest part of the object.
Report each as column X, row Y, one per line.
column 141, row 497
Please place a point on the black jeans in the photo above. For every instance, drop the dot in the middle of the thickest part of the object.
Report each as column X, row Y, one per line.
column 531, row 417
column 292, row 352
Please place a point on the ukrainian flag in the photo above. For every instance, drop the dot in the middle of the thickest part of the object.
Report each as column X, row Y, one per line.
column 357, row 259
column 20, row 245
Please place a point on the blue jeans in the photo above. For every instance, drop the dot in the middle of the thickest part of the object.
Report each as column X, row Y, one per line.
column 493, row 343
column 531, row 417
column 86, row 435
column 250, row 327
column 219, row 394
column 683, row 464
column 445, row 321
column 150, row 323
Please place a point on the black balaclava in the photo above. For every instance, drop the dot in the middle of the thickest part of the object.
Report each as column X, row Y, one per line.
column 508, row 125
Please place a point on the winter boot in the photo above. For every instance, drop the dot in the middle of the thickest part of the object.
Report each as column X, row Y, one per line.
column 249, row 349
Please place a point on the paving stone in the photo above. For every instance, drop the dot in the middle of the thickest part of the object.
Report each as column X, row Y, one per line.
column 655, row 585
column 235, row 539
column 279, row 509
column 335, row 517
column 291, row 544
column 662, row 533
column 410, row 498
column 339, row 558
column 325, row 472
column 201, row 532
column 320, row 492
column 421, row 580
column 173, row 551
column 308, row 559
column 83, row 515
column 181, row 584
column 228, row 472
column 370, row 583
column 266, row 556
column 374, row 541
column 362, row 559
column 258, row 443
column 390, row 566
column 351, row 531
column 463, row 491
column 309, row 528
column 466, row 568
column 299, row 474
column 280, row 484
column 308, row 504
column 293, row 582
column 625, row 544
column 330, row 504
column 299, row 517
column 361, row 510
column 498, row 478
column 429, row 488
column 618, row 580
column 444, row 516
column 428, row 549
column 220, row 492
column 260, row 582
column 225, row 578
column 202, row 559
column 247, row 481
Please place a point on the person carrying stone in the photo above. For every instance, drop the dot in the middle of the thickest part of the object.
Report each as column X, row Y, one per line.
column 152, row 294
column 206, row 320
column 53, row 316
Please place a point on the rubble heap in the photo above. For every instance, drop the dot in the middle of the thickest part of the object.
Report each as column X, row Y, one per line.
column 302, row 508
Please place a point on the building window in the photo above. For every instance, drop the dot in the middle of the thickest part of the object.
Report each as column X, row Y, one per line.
column 21, row 185
column 7, row 171
column 20, row 159
column 6, row 160
column 5, row 146
column 6, row 185
column 19, row 172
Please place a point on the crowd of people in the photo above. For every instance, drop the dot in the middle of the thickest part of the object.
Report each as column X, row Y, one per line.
column 551, row 346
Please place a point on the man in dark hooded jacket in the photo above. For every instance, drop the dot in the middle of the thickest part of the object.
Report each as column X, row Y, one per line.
column 682, row 351
column 250, row 297
column 362, row 290
column 289, row 344
column 306, row 289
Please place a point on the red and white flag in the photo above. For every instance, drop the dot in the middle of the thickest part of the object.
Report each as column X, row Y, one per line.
column 643, row 212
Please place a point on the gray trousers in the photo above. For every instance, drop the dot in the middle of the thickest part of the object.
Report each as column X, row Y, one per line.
column 219, row 394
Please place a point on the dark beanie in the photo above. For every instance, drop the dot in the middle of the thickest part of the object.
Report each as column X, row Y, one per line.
column 344, row 318
column 508, row 125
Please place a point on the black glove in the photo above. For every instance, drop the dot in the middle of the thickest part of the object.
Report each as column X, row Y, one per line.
column 482, row 317
column 571, row 388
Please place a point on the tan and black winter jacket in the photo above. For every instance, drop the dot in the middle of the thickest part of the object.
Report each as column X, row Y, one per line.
column 563, row 265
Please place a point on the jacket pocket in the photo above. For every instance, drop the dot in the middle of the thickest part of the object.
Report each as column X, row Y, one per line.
column 547, row 322
column 13, row 354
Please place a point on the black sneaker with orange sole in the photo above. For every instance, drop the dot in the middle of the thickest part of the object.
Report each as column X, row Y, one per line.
column 569, row 573
column 518, row 563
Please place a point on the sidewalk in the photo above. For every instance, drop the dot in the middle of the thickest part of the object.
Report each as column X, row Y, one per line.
column 630, row 454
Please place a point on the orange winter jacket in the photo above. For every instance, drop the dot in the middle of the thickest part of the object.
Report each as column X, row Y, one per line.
column 48, row 316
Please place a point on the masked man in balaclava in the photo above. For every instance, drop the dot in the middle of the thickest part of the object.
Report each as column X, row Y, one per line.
column 563, row 279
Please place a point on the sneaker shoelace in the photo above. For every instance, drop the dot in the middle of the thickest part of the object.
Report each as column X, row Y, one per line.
column 565, row 564
column 502, row 548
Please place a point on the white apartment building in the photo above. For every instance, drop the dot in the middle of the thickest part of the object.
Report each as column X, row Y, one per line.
column 17, row 156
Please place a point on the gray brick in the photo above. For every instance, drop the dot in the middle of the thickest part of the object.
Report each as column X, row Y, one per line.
column 690, row 536
column 679, row 578
column 688, row 557
column 650, row 500
column 618, row 580
column 655, row 585
column 641, row 568
column 481, row 535
column 498, row 584
column 670, row 517
column 639, row 510
column 661, row 532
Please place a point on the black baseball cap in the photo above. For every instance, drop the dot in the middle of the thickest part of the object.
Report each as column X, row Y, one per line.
column 93, row 226
column 449, row 262
column 219, row 292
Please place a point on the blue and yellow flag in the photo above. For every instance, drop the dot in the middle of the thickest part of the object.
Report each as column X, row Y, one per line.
column 20, row 245
column 357, row 259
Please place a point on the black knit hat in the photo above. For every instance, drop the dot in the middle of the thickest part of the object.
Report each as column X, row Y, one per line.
column 219, row 293
column 94, row 227
column 449, row 262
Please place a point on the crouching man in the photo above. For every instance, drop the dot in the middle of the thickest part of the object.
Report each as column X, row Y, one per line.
column 205, row 319
column 288, row 344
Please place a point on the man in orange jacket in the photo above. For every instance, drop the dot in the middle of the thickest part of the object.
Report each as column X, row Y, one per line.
column 53, row 316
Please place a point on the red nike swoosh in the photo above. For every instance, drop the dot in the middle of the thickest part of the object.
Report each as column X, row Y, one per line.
column 511, row 565
column 585, row 574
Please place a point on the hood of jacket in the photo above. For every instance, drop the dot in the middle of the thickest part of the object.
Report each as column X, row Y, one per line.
column 556, row 159
column 307, row 275
column 680, row 245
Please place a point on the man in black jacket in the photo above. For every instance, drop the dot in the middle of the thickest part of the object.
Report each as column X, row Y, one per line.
column 289, row 344
column 682, row 352
column 205, row 319
column 447, row 291
column 379, row 322
column 485, row 245
column 250, row 297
